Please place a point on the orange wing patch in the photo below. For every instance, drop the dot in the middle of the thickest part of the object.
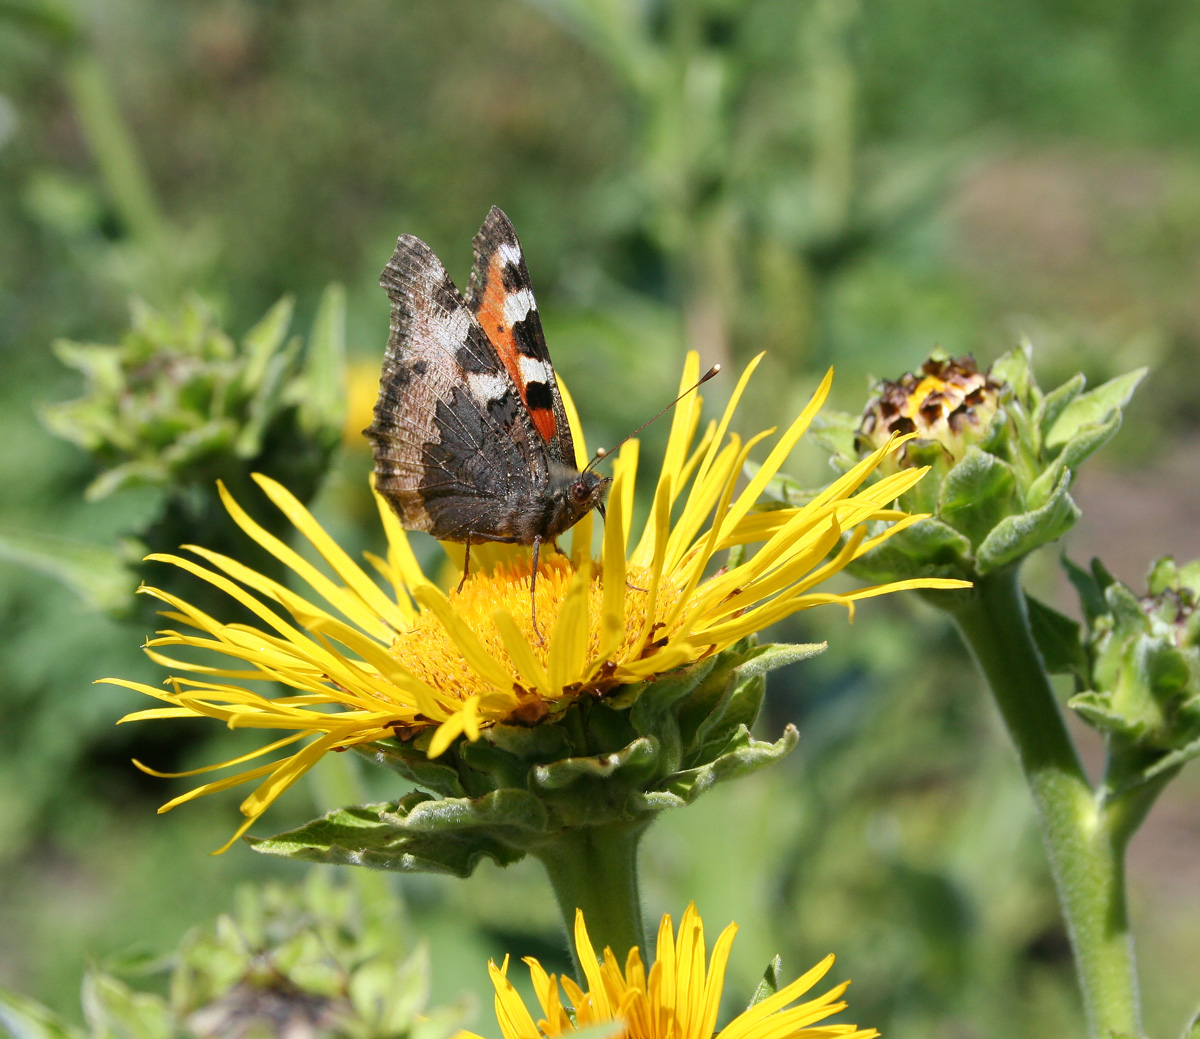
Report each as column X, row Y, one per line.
column 501, row 308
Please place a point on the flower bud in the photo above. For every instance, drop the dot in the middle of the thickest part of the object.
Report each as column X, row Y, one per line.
column 1141, row 684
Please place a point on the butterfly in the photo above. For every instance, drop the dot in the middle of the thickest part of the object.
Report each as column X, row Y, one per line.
column 470, row 437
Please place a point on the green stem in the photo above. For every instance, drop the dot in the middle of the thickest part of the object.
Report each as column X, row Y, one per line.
column 594, row 868
column 1085, row 842
column 114, row 150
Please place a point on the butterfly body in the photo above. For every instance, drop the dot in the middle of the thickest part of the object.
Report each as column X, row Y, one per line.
column 470, row 437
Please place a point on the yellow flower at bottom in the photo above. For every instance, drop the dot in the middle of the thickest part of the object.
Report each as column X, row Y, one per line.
column 361, row 663
column 678, row 999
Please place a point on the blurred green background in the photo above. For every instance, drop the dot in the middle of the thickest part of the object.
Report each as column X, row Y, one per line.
column 846, row 182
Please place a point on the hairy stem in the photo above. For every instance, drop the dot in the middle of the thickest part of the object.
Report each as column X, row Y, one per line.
column 594, row 868
column 1085, row 841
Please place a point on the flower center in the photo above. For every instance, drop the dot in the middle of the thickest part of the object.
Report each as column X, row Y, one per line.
column 430, row 652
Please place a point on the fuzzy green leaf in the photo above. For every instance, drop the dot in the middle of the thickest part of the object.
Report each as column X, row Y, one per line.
column 1016, row 536
column 1057, row 400
column 114, row 1011
column 745, row 755
column 323, row 398
column 261, row 343
column 415, row 766
column 977, row 494
column 376, row 836
column 1059, row 640
column 769, row 984
column 637, row 760
column 1092, row 411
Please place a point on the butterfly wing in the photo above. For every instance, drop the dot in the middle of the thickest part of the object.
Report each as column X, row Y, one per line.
column 455, row 448
column 501, row 298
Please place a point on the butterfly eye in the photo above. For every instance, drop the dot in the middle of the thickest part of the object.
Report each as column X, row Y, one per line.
column 580, row 492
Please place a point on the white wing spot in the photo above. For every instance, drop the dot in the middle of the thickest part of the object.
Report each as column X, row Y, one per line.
column 517, row 306
column 510, row 253
column 487, row 386
column 535, row 370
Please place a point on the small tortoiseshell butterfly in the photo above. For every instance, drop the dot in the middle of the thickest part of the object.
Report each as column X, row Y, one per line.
column 470, row 437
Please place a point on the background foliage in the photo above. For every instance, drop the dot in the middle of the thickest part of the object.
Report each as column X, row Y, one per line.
column 838, row 181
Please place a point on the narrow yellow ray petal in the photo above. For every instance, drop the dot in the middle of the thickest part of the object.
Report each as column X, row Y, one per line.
column 612, row 610
column 400, row 553
column 727, row 415
column 779, row 453
column 569, row 642
column 529, row 670
column 352, row 606
column 657, row 526
column 345, row 567
column 627, row 463
column 218, row 785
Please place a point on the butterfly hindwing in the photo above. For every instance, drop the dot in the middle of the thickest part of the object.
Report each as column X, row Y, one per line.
column 453, row 439
column 501, row 298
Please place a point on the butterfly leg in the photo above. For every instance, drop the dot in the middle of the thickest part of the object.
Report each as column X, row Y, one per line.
column 466, row 563
column 537, row 544
column 467, row 556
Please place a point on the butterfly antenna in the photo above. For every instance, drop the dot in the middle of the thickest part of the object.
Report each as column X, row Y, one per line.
column 601, row 453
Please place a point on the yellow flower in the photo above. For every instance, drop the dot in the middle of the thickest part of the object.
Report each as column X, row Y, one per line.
column 678, row 999
column 366, row 663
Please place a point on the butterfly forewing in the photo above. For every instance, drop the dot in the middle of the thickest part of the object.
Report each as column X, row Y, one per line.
column 501, row 298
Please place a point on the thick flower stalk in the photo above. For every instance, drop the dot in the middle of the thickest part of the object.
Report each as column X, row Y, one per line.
column 679, row 998
column 639, row 699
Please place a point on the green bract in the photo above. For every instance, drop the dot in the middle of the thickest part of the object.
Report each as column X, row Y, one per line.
column 603, row 765
column 1002, row 459
column 307, row 961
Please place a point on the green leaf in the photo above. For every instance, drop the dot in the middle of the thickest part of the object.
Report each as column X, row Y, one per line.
column 1173, row 759
column 323, row 401
column 977, row 494
column 1016, row 536
column 515, row 810
column 1015, row 368
column 769, row 985
column 1056, row 401
column 1059, row 640
column 1089, row 587
column 375, row 836
column 929, row 548
column 23, row 1018
column 745, row 755
column 98, row 574
column 261, row 343
column 1095, row 409
column 114, row 1011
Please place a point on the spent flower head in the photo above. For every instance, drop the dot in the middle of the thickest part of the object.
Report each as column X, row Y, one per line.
column 407, row 666
column 678, row 998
